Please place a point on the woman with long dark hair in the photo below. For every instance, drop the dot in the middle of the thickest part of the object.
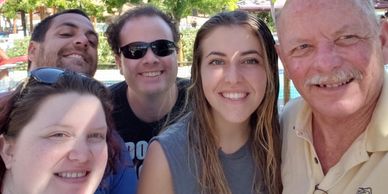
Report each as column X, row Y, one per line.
column 230, row 142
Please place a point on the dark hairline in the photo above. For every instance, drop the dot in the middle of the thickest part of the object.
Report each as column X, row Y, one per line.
column 114, row 29
column 40, row 30
column 48, row 22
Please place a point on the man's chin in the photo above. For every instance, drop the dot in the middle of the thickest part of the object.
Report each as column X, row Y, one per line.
column 78, row 68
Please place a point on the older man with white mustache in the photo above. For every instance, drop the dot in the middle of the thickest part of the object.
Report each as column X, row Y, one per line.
column 335, row 138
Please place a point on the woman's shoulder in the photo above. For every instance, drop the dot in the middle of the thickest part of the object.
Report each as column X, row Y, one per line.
column 174, row 134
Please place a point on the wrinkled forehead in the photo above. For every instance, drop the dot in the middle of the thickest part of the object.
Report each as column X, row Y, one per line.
column 298, row 7
column 309, row 10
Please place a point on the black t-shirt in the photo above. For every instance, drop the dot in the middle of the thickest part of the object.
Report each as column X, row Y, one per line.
column 135, row 132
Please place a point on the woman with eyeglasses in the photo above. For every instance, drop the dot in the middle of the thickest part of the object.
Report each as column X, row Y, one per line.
column 230, row 142
column 56, row 135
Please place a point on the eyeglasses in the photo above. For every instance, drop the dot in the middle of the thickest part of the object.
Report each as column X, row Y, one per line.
column 46, row 75
column 137, row 50
column 43, row 75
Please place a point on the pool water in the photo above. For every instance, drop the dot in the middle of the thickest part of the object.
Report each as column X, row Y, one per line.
column 293, row 92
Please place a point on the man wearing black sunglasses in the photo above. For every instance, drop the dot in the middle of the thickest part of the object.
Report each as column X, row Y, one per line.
column 66, row 40
column 144, row 42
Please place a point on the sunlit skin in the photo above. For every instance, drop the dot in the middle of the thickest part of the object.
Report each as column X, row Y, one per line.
column 333, row 53
column 336, row 66
column 61, row 150
column 70, row 43
column 233, row 76
column 150, row 75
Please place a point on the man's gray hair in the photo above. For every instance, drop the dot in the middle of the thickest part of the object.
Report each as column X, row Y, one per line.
column 366, row 6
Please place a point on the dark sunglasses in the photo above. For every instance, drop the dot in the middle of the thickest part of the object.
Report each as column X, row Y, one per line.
column 46, row 75
column 137, row 50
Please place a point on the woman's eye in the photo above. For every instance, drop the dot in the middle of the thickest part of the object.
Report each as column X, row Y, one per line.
column 251, row 61
column 216, row 62
column 59, row 135
column 97, row 136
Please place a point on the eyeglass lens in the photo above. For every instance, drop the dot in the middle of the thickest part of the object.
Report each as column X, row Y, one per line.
column 137, row 50
column 46, row 75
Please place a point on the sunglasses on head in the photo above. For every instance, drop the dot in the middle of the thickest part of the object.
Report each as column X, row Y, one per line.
column 137, row 50
column 46, row 75
column 43, row 75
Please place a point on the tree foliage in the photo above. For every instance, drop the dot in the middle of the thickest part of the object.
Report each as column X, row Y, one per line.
column 114, row 5
column 267, row 18
column 11, row 7
column 179, row 9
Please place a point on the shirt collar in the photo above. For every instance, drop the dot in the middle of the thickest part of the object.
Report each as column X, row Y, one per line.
column 303, row 125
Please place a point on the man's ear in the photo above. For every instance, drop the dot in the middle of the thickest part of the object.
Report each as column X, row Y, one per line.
column 119, row 59
column 33, row 50
column 6, row 151
column 281, row 57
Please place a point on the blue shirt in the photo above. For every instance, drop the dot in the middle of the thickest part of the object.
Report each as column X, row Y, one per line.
column 124, row 180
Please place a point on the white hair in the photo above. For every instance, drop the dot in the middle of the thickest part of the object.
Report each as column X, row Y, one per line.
column 365, row 6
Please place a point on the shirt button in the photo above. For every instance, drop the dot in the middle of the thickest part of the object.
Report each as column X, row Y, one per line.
column 316, row 160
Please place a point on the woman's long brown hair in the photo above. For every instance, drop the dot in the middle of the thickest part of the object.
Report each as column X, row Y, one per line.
column 265, row 141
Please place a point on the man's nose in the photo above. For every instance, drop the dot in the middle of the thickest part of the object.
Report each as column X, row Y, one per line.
column 81, row 41
column 327, row 57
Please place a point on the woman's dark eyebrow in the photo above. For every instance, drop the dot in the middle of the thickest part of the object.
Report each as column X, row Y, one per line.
column 251, row 52
column 215, row 53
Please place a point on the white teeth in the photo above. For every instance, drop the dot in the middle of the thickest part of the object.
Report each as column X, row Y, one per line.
column 75, row 56
column 152, row 74
column 234, row 95
column 334, row 79
column 334, row 85
column 71, row 174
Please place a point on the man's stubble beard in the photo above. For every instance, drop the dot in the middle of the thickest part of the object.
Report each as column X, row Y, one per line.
column 55, row 60
column 44, row 60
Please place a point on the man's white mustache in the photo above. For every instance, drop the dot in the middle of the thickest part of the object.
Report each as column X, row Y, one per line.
column 335, row 77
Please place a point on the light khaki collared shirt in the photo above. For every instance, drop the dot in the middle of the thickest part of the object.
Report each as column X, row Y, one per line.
column 363, row 169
